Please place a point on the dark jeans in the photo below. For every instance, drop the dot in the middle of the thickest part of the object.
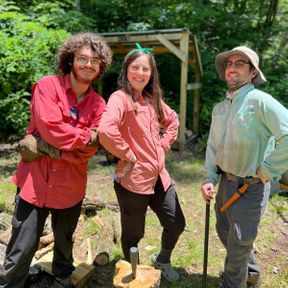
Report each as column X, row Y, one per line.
column 28, row 223
column 133, row 208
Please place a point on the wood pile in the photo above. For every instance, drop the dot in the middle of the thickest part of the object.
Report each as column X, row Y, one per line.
column 89, row 253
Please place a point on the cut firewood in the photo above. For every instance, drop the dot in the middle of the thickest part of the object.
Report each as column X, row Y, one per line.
column 99, row 221
column 113, row 206
column 90, row 253
column 104, row 245
column 46, row 240
column 115, row 222
column 80, row 251
column 45, row 250
column 92, row 205
column 5, row 221
column 5, row 236
column 80, row 276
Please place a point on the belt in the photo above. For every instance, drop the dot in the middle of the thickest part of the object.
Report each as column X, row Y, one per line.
column 249, row 180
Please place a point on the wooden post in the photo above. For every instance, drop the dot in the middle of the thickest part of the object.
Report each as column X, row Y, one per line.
column 196, row 102
column 184, row 45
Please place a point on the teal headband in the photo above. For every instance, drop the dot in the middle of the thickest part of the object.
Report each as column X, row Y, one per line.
column 139, row 48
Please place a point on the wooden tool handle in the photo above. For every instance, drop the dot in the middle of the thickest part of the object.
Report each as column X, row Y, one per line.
column 235, row 197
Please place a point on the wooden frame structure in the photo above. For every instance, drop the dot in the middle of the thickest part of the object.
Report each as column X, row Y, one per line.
column 181, row 43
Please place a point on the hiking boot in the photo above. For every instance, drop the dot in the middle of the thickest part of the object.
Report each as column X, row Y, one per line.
column 167, row 271
column 253, row 281
column 62, row 283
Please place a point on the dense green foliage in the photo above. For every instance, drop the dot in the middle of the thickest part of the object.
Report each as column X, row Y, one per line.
column 30, row 36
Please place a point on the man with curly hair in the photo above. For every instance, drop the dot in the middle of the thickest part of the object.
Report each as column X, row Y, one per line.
column 52, row 174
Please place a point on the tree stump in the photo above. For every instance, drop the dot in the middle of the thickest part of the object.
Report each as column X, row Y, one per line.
column 147, row 276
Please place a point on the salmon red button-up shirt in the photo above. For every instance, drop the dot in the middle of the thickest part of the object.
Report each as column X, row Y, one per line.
column 127, row 133
column 61, row 183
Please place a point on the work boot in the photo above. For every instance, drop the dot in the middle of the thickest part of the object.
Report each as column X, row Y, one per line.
column 253, row 281
column 62, row 283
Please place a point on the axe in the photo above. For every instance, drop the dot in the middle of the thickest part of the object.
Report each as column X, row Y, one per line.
column 235, row 197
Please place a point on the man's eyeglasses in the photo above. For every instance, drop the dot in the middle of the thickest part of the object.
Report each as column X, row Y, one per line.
column 84, row 60
column 237, row 64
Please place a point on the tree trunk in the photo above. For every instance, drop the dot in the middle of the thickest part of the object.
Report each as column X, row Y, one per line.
column 77, row 4
column 266, row 28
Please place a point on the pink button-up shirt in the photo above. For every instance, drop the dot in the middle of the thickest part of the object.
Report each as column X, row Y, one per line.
column 126, row 132
column 59, row 183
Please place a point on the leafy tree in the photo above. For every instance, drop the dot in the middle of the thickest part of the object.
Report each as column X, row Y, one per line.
column 31, row 35
column 27, row 53
column 219, row 25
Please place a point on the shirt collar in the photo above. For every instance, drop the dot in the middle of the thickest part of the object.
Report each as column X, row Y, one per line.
column 232, row 94
column 68, row 84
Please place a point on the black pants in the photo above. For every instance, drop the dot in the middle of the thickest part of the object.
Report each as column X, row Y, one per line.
column 133, row 208
column 28, row 223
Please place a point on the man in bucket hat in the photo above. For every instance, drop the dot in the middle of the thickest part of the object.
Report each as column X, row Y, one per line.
column 240, row 150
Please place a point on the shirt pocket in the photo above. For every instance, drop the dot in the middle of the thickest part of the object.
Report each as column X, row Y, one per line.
column 136, row 124
column 246, row 118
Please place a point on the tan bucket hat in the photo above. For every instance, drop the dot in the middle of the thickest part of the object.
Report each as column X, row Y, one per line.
column 245, row 51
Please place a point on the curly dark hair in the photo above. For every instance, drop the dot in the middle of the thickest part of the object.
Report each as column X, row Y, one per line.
column 71, row 46
column 152, row 89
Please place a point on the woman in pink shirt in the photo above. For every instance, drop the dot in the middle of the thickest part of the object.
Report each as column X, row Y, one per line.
column 138, row 127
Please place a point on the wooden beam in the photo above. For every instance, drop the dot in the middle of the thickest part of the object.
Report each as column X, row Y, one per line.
column 184, row 45
column 196, row 102
column 141, row 38
column 197, row 55
column 172, row 47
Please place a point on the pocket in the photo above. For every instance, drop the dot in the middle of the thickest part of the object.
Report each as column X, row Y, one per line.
column 246, row 118
column 136, row 124
column 245, row 232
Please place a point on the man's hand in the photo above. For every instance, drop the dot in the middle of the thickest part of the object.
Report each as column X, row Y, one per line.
column 261, row 175
column 94, row 140
column 123, row 168
column 207, row 190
